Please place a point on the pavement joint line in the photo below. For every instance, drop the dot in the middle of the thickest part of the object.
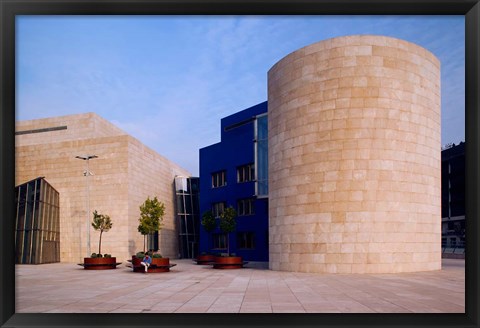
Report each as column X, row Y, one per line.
column 204, row 290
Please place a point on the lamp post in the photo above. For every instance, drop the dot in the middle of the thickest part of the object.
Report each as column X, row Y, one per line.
column 86, row 174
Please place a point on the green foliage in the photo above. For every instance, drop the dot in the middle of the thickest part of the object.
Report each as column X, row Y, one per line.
column 101, row 223
column 227, row 220
column 151, row 217
column 208, row 221
column 157, row 256
column 228, row 223
column 94, row 255
column 99, row 255
column 107, row 255
column 140, row 255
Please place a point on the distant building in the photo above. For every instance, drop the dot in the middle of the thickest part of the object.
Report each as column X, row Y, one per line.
column 124, row 173
column 234, row 172
column 453, row 197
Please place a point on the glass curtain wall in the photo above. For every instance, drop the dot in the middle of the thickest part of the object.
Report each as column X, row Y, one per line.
column 188, row 215
column 37, row 223
column 453, row 196
column 261, row 155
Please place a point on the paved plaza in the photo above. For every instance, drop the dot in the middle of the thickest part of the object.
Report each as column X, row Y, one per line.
column 60, row 287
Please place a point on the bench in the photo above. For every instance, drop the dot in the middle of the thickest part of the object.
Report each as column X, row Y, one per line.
column 153, row 268
column 201, row 262
column 100, row 266
column 229, row 265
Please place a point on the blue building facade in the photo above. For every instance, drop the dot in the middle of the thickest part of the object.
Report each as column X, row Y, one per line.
column 234, row 172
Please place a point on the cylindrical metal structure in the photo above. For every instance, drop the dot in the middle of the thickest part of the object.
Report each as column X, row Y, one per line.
column 354, row 157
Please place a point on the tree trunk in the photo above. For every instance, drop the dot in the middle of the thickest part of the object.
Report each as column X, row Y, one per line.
column 100, row 242
column 144, row 241
column 228, row 244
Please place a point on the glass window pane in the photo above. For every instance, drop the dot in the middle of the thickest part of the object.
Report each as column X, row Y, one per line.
column 262, row 156
column 189, row 220
column 219, row 241
column 218, row 179
column 181, row 184
column 195, row 205
column 180, row 206
column 188, row 205
column 194, row 185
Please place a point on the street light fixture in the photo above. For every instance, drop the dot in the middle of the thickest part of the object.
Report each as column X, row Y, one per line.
column 87, row 172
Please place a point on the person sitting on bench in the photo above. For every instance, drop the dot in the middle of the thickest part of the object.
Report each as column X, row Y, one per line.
column 147, row 260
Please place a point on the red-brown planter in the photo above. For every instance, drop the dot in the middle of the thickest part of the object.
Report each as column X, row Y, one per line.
column 100, row 263
column 161, row 264
column 205, row 259
column 228, row 262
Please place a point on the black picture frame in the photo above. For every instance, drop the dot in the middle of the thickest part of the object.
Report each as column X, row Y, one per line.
column 10, row 8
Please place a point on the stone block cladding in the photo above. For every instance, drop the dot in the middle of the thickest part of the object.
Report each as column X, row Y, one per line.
column 354, row 157
column 126, row 172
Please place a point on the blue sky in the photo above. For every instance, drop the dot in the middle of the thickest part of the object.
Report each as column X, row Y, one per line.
column 168, row 80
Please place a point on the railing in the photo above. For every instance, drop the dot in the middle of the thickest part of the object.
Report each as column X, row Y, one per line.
column 459, row 244
column 453, row 250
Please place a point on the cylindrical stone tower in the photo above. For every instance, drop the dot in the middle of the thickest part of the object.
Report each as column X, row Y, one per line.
column 354, row 157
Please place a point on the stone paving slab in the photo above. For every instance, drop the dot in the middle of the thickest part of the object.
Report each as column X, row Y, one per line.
column 190, row 288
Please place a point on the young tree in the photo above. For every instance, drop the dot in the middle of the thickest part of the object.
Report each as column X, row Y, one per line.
column 228, row 223
column 101, row 223
column 208, row 221
column 151, row 217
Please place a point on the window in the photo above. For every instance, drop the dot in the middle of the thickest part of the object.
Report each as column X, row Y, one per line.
column 245, row 173
column 246, row 240
column 444, row 242
column 218, row 208
column 246, row 206
column 219, row 179
column 261, row 155
column 219, row 241
column 152, row 241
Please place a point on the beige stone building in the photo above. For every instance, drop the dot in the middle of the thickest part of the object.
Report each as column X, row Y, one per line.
column 354, row 157
column 124, row 174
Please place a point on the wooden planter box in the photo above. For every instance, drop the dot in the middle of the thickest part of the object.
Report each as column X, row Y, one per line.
column 228, row 262
column 158, row 264
column 99, row 263
column 205, row 259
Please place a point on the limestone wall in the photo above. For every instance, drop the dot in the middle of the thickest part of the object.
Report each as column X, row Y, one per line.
column 69, row 127
column 152, row 175
column 354, row 157
column 125, row 173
